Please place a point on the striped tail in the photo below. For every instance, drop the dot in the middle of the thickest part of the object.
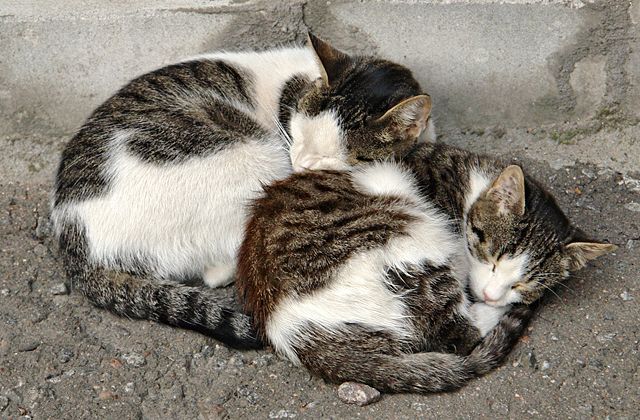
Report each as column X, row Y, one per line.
column 195, row 308
column 343, row 356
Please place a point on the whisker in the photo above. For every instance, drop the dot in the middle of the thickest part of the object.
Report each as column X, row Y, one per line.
column 550, row 289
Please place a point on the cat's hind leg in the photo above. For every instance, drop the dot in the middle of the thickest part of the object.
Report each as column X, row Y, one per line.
column 219, row 275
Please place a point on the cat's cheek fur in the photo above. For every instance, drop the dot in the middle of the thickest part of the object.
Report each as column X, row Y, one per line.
column 494, row 285
column 317, row 142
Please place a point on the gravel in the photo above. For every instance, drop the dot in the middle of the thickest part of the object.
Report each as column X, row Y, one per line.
column 59, row 289
column 359, row 394
column 133, row 359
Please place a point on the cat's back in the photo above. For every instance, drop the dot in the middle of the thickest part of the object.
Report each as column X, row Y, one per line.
column 322, row 233
column 191, row 109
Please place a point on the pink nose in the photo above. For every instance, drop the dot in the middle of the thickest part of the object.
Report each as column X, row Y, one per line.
column 487, row 297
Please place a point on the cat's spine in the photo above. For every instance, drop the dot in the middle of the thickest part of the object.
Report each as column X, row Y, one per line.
column 195, row 308
column 343, row 357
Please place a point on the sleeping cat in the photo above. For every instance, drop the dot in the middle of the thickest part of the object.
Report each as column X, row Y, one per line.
column 361, row 276
column 153, row 188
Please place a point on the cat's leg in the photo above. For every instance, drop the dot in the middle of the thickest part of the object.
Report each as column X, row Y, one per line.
column 219, row 275
column 485, row 317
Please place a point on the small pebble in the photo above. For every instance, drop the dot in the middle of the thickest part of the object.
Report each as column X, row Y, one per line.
column 65, row 355
column 630, row 244
column 356, row 393
column 586, row 408
column 5, row 292
column 311, row 404
column 134, row 359
column 608, row 316
column 115, row 363
column 633, row 206
column 29, row 346
column 59, row 289
column 596, row 364
column 500, row 407
column 545, row 365
column 38, row 316
column 107, row 395
column 281, row 414
column 626, row 296
column 216, row 411
column 250, row 395
column 4, row 402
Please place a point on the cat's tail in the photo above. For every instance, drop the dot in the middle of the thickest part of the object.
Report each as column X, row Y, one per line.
column 354, row 354
column 196, row 308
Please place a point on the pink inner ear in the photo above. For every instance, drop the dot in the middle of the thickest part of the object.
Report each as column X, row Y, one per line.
column 507, row 191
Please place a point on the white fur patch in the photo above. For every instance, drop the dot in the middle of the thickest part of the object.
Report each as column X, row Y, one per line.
column 270, row 70
column 485, row 317
column 219, row 276
column 184, row 216
column 478, row 183
column 386, row 178
column 493, row 286
column 317, row 142
column 358, row 293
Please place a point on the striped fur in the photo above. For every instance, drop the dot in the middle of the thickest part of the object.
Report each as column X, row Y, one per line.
column 157, row 181
column 358, row 277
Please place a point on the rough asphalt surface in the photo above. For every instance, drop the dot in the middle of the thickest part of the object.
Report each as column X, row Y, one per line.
column 62, row 358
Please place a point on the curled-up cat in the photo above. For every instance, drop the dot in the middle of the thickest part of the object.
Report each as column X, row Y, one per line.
column 361, row 275
column 152, row 190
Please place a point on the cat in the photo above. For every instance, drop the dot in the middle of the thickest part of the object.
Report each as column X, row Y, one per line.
column 150, row 194
column 361, row 275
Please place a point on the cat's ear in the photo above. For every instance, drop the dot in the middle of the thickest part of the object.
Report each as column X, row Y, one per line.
column 581, row 252
column 409, row 117
column 333, row 62
column 507, row 191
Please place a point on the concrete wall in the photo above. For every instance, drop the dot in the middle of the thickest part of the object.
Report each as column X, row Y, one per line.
column 513, row 63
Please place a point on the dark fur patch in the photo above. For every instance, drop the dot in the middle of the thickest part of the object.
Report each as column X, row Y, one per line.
column 292, row 91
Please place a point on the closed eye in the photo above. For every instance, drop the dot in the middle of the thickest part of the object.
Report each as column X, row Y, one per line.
column 364, row 159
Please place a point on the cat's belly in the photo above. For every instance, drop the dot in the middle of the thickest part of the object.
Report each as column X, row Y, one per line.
column 178, row 219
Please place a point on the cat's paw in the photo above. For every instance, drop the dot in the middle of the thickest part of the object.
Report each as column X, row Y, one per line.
column 486, row 317
column 219, row 275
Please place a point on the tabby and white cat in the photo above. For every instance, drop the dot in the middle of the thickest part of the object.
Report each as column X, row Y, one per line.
column 361, row 276
column 153, row 187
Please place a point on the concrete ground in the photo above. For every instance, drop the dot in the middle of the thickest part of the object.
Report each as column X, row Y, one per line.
column 553, row 84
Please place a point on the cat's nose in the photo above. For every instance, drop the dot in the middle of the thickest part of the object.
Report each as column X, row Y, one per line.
column 487, row 297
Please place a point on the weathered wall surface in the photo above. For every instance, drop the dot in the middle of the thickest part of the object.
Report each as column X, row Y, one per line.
column 516, row 63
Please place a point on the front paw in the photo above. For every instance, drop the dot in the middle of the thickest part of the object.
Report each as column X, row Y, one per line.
column 485, row 317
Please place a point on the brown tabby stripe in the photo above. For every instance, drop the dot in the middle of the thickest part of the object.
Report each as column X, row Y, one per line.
column 304, row 228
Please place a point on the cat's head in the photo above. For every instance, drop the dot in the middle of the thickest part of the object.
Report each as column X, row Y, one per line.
column 361, row 109
column 520, row 243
